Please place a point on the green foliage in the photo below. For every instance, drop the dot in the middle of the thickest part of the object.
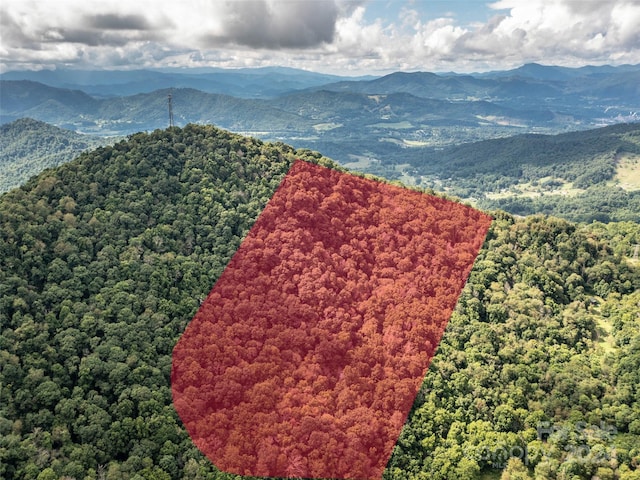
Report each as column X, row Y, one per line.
column 585, row 157
column 602, row 203
column 104, row 260
column 28, row 146
column 586, row 160
column 525, row 375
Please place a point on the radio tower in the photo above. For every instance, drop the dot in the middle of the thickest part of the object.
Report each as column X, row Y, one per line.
column 170, row 111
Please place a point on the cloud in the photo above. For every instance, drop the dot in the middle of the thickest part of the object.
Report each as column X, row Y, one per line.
column 274, row 25
column 114, row 21
column 567, row 30
column 328, row 35
column 266, row 24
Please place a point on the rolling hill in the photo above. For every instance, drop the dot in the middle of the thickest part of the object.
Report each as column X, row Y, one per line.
column 105, row 259
column 28, row 146
column 583, row 176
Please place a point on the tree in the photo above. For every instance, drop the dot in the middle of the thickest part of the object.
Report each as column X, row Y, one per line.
column 515, row 470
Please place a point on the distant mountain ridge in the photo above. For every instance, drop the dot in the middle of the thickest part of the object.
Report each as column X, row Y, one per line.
column 244, row 83
column 266, row 82
column 344, row 117
column 296, row 112
column 24, row 95
column 531, row 84
column 554, row 72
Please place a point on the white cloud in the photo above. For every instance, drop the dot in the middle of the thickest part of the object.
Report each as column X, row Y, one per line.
column 328, row 35
column 569, row 31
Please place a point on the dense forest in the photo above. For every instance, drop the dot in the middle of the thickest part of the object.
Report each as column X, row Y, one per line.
column 28, row 146
column 305, row 357
column 601, row 203
column 105, row 260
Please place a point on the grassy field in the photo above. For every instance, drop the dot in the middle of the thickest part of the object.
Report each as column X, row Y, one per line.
column 607, row 342
column 628, row 172
column 359, row 163
column 539, row 189
column 325, row 127
column 393, row 125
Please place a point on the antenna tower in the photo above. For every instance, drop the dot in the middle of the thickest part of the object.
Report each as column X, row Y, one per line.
column 170, row 110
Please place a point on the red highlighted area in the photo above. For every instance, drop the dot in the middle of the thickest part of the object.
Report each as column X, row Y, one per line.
column 306, row 357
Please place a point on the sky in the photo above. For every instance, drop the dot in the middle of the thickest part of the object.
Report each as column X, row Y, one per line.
column 347, row 37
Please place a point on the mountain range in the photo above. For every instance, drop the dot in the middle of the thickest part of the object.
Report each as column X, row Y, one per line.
column 264, row 82
column 311, row 113
column 343, row 118
column 420, row 127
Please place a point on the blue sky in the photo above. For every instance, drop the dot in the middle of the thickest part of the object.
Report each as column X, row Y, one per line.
column 464, row 11
column 349, row 37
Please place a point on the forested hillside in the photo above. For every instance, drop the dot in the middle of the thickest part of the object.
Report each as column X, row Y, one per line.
column 104, row 261
column 28, row 146
column 582, row 176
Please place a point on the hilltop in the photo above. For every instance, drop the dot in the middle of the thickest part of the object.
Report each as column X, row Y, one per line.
column 105, row 259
